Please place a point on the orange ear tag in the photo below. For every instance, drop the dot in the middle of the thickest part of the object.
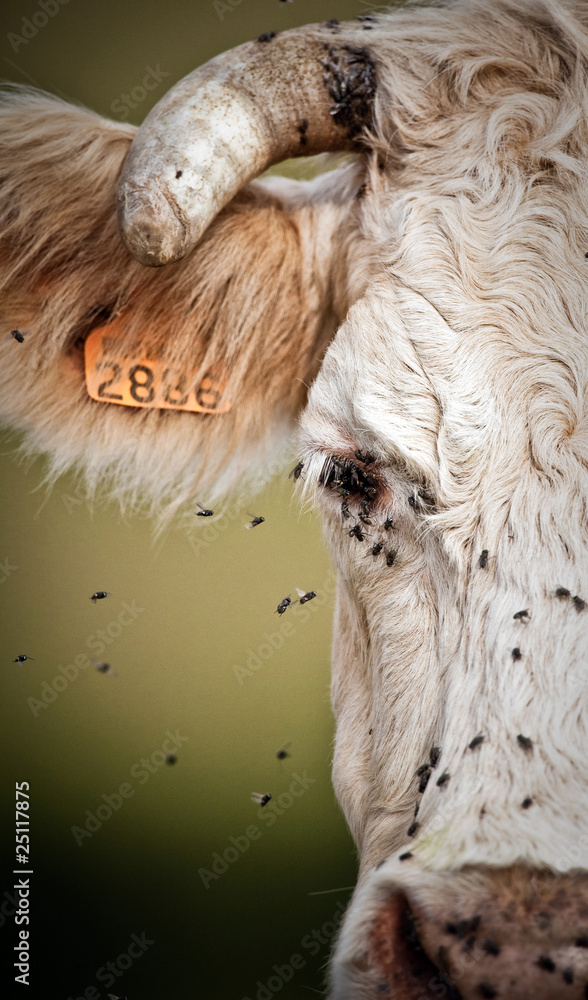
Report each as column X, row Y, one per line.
column 114, row 376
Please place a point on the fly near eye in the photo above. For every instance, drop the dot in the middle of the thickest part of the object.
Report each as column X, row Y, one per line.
column 305, row 595
column 260, row 798
column 99, row 595
column 104, row 668
column 256, row 520
column 284, row 605
column 365, row 511
column 296, row 471
column 204, row 511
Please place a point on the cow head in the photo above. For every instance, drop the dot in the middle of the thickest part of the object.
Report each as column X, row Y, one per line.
column 433, row 290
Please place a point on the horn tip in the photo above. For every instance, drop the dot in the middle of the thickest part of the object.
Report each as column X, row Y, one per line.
column 150, row 228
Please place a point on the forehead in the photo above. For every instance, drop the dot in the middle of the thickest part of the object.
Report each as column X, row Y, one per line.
column 471, row 324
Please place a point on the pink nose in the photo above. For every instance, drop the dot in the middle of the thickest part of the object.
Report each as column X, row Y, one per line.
column 510, row 933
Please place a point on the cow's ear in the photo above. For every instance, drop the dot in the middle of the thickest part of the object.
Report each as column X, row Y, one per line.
column 169, row 381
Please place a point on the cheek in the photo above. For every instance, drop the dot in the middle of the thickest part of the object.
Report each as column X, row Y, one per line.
column 352, row 704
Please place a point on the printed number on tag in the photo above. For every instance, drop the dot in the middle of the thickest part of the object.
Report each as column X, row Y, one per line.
column 147, row 382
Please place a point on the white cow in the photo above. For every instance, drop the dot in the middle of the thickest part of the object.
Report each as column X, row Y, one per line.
column 434, row 290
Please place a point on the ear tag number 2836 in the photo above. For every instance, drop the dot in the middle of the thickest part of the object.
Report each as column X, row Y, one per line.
column 114, row 377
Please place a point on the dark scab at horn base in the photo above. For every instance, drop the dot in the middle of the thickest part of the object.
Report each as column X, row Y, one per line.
column 350, row 79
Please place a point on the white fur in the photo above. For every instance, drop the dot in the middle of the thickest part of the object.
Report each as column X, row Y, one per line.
column 462, row 366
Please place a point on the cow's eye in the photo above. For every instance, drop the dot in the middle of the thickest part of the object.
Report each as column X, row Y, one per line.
column 349, row 478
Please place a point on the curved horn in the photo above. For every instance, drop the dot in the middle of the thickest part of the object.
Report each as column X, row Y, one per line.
column 305, row 91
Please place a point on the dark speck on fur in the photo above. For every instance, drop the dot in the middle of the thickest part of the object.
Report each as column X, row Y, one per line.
column 525, row 742
column 546, row 963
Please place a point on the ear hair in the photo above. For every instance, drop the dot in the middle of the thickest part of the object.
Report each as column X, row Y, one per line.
column 252, row 302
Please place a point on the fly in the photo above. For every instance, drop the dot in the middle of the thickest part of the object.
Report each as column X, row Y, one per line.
column 255, row 521
column 99, row 595
column 204, row 511
column 296, row 471
column 261, row 799
column 104, row 668
column 284, row 605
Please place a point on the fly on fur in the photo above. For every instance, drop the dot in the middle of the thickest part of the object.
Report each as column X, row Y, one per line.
column 364, row 513
column 347, row 478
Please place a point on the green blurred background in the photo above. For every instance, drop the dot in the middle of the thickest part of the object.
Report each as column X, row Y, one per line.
column 208, row 595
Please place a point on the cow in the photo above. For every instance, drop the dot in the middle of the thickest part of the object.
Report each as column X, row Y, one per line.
column 431, row 288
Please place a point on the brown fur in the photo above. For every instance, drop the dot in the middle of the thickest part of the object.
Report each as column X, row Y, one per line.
column 252, row 302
